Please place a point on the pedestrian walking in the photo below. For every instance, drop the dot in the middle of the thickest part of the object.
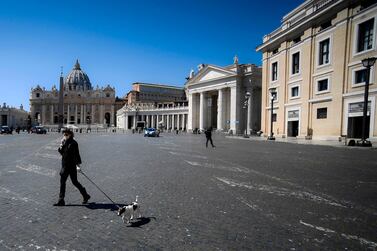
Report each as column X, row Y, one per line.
column 71, row 162
column 208, row 133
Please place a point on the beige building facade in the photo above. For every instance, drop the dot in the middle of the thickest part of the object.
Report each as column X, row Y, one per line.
column 154, row 105
column 162, row 116
column 313, row 61
column 13, row 117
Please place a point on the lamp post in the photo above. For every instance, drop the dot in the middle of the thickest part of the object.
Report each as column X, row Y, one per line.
column 272, row 97
column 367, row 63
column 245, row 106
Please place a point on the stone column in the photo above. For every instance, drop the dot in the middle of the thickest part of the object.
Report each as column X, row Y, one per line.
column 93, row 114
column 153, row 122
column 102, row 115
column 190, row 123
column 202, row 111
column 233, row 109
column 82, row 114
column 125, row 122
column 134, row 123
column 112, row 115
column 168, row 121
column 43, row 117
column 220, row 119
column 147, row 121
column 68, row 118
column 52, row 115
column 249, row 113
column 76, row 114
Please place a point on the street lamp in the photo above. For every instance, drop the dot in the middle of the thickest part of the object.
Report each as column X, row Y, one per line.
column 272, row 97
column 245, row 106
column 367, row 63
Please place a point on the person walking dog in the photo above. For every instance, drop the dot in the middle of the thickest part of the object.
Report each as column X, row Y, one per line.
column 208, row 134
column 71, row 162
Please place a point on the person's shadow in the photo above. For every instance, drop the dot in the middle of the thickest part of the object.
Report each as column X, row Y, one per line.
column 94, row 206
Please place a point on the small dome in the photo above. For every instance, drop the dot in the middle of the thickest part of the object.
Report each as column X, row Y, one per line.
column 77, row 79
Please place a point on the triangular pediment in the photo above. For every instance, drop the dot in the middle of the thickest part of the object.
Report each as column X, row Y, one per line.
column 211, row 72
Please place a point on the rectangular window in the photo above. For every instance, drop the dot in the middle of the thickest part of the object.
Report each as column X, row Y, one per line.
column 274, row 76
column 295, row 91
column 365, row 36
column 296, row 63
column 323, row 85
column 360, row 76
column 322, row 113
column 324, row 52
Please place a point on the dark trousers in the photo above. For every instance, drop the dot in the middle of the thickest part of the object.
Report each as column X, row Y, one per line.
column 63, row 179
column 209, row 139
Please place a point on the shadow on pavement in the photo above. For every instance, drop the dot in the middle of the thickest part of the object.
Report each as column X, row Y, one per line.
column 141, row 221
column 94, row 206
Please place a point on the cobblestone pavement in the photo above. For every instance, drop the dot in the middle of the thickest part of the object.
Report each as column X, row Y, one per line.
column 241, row 195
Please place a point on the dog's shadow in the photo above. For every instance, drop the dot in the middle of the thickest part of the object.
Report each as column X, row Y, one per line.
column 94, row 206
column 114, row 207
column 141, row 221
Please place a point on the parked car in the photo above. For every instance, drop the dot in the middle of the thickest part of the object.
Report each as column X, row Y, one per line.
column 5, row 130
column 38, row 130
column 151, row 132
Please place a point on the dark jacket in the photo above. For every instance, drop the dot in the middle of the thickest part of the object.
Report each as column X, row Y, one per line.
column 70, row 154
column 208, row 133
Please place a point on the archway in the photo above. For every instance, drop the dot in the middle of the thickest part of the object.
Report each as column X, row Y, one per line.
column 107, row 118
column 37, row 117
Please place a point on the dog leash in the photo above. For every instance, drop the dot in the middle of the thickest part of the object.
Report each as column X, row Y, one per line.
column 99, row 189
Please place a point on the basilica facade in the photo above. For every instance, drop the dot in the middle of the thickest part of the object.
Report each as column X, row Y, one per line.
column 83, row 105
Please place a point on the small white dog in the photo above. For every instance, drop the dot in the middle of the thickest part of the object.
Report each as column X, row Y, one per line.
column 130, row 211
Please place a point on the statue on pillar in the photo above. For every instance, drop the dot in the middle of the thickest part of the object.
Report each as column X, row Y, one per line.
column 235, row 59
column 192, row 73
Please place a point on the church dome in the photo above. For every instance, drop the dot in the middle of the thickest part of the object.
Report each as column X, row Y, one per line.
column 77, row 79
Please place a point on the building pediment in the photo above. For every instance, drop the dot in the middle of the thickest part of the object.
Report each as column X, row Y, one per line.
column 109, row 88
column 210, row 72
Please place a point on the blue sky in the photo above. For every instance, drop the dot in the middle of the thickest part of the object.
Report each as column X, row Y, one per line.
column 121, row 42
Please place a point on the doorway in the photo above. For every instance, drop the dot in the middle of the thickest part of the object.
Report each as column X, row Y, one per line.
column 293, row 128
column 293, row 122
column 4, row 120
column 355, row 127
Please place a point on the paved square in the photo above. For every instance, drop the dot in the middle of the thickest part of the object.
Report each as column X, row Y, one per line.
column 241, row 195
